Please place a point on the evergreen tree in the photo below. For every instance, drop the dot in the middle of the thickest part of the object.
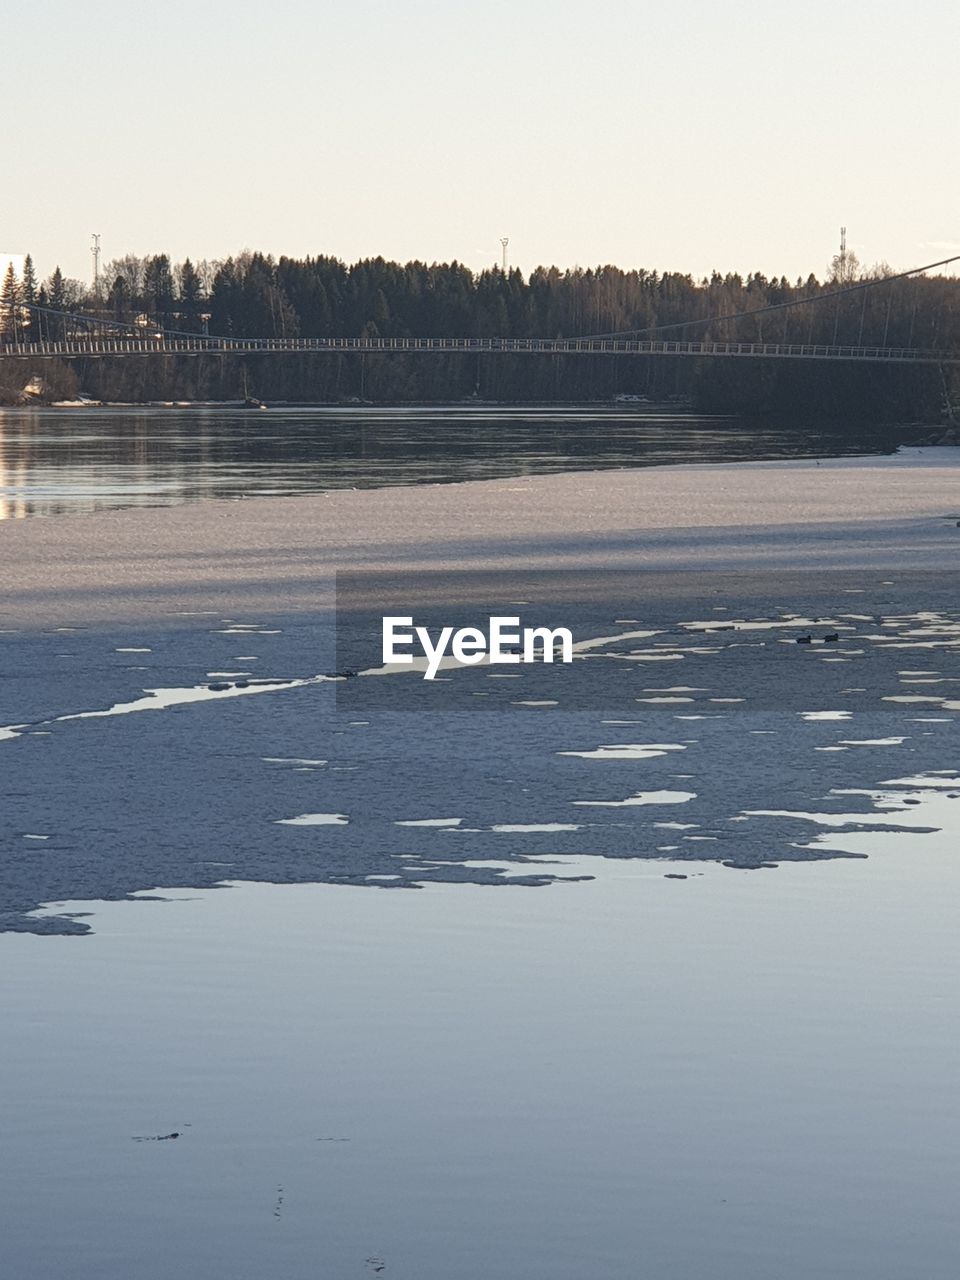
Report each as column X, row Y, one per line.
column 225, row 300
column 10, row 302
column 57, row 291
column 118, row 298
column 28, row 296
column 190, row 297
column 57, row 302
column 158, row 288
column 29, row 282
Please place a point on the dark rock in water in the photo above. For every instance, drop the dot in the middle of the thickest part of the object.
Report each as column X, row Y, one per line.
column 804, row 639
column 910, row 800
column 674, row 875
column 218, row 686
column 833, row 636
column 241, row 684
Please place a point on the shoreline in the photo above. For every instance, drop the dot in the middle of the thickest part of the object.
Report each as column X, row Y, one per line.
column 638, row 407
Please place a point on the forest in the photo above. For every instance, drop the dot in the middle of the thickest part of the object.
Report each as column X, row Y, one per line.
column 257, row 295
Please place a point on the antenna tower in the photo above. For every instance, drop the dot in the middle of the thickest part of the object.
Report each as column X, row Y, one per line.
column 504, row 240
column 95, row 252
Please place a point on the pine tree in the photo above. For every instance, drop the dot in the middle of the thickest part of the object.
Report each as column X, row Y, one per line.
column 28, row 297
column 57, row 301
column 57, row 291
column 190, row 297
column 117, row 299
column 29, row 282
column 158, row 288
column 10, row 302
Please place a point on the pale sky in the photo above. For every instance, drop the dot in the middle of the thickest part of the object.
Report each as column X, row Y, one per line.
column 680, row 135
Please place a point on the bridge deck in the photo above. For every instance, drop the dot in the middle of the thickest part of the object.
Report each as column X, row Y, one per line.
column 159, row 344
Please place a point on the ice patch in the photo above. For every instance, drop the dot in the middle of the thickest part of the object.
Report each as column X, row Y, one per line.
column 161, row 699
column 872, row 742
column 641, row 798
column 315, row 820
column 429, row 822
column 627, row 751
column 299, row 760
column 518, row 828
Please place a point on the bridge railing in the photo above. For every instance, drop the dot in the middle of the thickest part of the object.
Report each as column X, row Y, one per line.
column 160, row 344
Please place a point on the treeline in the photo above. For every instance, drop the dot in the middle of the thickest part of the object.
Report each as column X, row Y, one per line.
column 255, row 295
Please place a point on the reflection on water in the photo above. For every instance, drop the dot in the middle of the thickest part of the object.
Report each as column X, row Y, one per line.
column 666, row 1070
column 57, row 461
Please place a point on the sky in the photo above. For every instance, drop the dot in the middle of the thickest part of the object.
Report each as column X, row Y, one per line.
column 684, row 135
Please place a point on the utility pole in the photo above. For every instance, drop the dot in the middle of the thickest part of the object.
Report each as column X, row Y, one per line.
column 504, row 240
column 841, row 280
column 95, row 252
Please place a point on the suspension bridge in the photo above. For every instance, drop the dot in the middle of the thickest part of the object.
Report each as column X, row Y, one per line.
column 101, row 337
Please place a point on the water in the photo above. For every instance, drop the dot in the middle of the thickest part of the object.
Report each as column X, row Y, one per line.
column 526, row 1061
column 683, row 737
column 63, row 461
column 735, row 1076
